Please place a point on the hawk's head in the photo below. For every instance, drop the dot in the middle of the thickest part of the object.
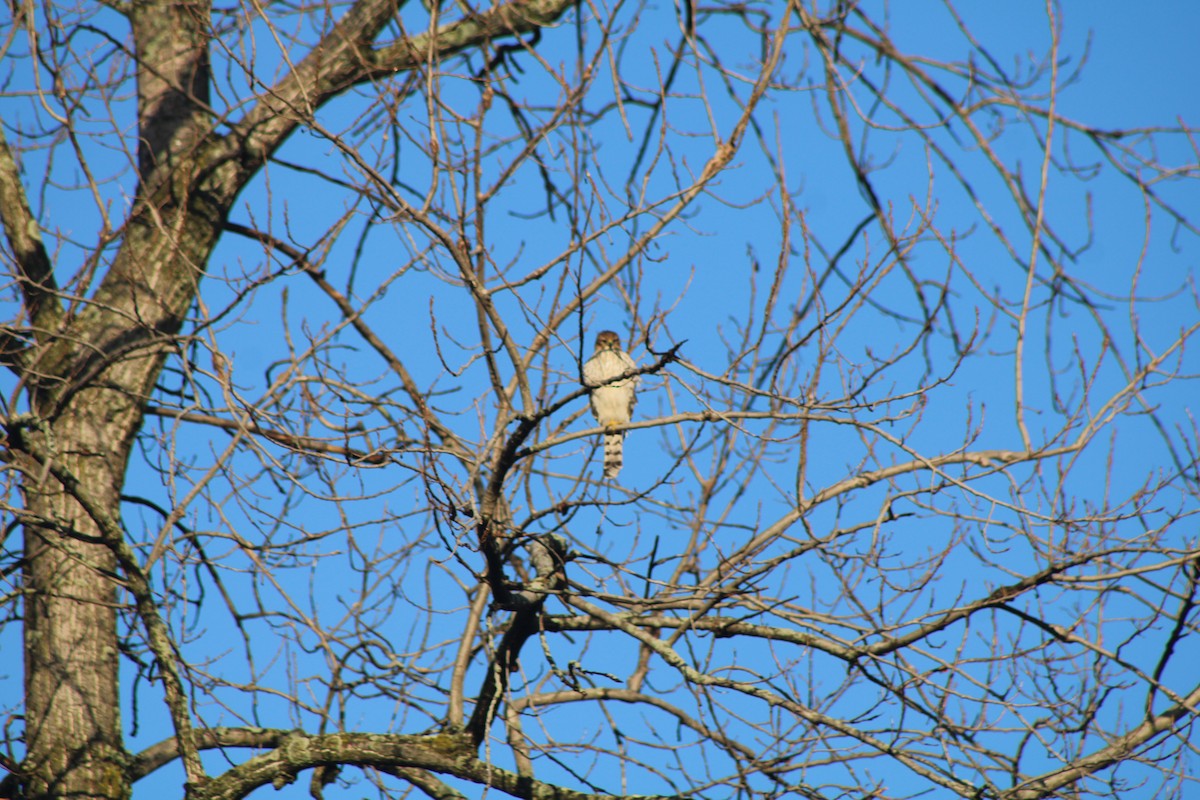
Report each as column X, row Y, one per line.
column 607, row 340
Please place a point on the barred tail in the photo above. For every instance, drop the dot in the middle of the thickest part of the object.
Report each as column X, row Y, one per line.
column 613, row 453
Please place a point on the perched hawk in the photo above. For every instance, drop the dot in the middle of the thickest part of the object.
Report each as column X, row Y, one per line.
column 612, row 401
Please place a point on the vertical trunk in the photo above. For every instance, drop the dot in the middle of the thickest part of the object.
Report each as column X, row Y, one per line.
column 89, row 398
column 73, row 718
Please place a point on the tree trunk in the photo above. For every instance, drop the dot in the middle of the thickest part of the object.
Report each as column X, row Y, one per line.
column 88, row 394
column 89, row 408
column 73, row 725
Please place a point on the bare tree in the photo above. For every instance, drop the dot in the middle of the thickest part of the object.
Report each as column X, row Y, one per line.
column 300, row 477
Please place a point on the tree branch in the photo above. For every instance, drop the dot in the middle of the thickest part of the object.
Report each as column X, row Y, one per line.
column 36, row 276
column 295, row 751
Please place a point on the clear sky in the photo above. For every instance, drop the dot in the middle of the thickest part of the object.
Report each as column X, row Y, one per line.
column 699, row 281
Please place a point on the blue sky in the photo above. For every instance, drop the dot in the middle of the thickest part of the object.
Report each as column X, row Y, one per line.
column 698, row 282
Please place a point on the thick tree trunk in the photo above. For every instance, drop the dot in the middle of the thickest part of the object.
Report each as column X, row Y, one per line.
column 89, row 410
column 73, row 726
column 89, row 385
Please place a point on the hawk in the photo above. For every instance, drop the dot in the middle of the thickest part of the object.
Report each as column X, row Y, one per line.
column 612, row 401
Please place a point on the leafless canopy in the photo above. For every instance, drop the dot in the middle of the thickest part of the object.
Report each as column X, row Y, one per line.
column 301, row 485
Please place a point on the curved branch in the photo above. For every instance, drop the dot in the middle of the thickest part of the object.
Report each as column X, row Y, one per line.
column 303, row 444
column 294, row 751
column 1049, row 784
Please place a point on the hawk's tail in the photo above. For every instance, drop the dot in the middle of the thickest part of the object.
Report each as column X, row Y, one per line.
column 614, row 455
